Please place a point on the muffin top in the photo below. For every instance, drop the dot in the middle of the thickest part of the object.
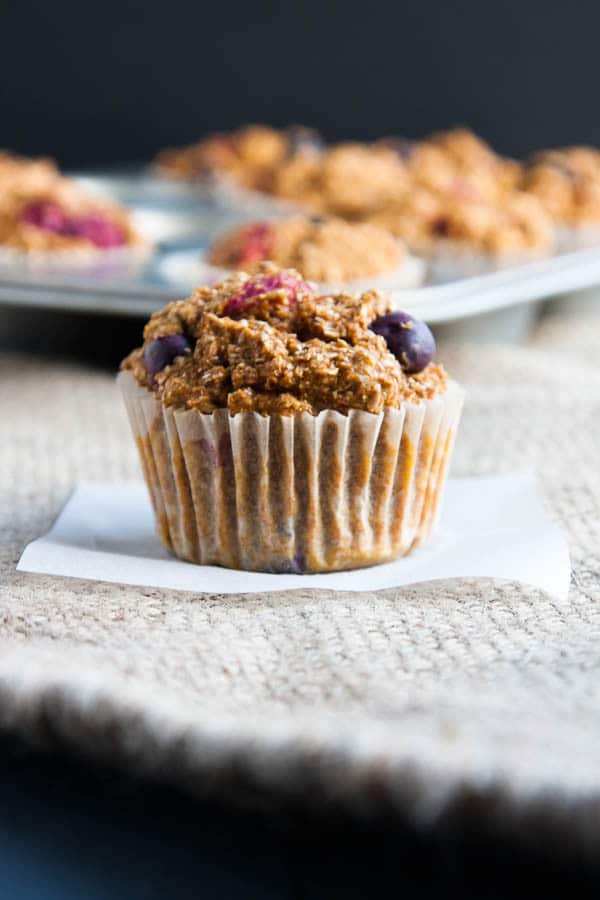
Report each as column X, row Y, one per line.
column 471, row 152
column 323, row 250
column 41, row 210
column 270, row 343
column 455, row 163
column 567, row 183
column 349, row 180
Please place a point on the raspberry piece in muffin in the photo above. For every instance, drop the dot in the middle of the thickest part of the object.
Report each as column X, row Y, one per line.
column 96, row 227
column 288, row 285
column 244, row 246
column 324, row 250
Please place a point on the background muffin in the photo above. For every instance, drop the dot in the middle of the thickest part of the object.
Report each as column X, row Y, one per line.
column 42, row 211
column 461, row 236
column 567, row 183
column 349, row 180
column 249, row 156
column 323, row 250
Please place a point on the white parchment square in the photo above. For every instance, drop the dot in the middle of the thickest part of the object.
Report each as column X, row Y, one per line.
column 492, row 526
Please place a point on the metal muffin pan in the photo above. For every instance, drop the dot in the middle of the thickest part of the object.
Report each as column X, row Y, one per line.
column 497, row 305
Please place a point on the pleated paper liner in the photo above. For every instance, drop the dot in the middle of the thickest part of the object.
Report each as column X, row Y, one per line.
column 294, row 493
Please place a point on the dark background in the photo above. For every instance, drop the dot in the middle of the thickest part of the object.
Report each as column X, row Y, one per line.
column 114, row 81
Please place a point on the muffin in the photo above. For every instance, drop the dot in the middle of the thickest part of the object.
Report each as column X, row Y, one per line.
column 567, row 184
column 472, row 154
column 329, row 251
column 282, row 430
column 350, row 180
column 457, row 164
column 45, row 215
column 460, row 237
column 248, row 157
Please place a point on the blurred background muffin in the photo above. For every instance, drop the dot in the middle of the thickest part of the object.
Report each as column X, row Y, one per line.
column 567, row 183
column 325, row 250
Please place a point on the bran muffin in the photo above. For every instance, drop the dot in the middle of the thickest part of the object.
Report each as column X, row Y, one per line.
column 44, row 213
column 472, row 154
column 248, row 157
column 350, row 180
column 456, row 164
column 24, row 177
column 476, row 235
column 324, row 250
column 283, row 430
column 567, row 183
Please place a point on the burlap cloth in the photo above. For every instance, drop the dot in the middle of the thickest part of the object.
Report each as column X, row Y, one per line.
column 471, row 702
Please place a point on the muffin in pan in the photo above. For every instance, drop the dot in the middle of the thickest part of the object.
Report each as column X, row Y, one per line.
column 462, row 237
column 287, row 431
column 248, row 157
column 45, row 218
column 329, row 251
column 471, row 153
column 456, row 163
column 350, row 180
column 567, row 183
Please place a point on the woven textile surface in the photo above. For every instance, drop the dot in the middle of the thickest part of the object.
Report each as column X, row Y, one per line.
column 466, row 701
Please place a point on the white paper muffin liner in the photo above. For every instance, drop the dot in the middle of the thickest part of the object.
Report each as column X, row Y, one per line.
column 450, row 260
column 577, row 237
column 88, row 261
column 191, row 268
column 294, row 493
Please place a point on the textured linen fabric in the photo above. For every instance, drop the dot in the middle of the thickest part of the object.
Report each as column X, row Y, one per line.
column 474, row 703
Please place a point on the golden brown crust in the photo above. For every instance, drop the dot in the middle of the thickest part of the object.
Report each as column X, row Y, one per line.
column 270, row 343
column 323, row 250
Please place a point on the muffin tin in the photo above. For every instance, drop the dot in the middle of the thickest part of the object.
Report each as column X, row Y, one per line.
column 180, row 221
